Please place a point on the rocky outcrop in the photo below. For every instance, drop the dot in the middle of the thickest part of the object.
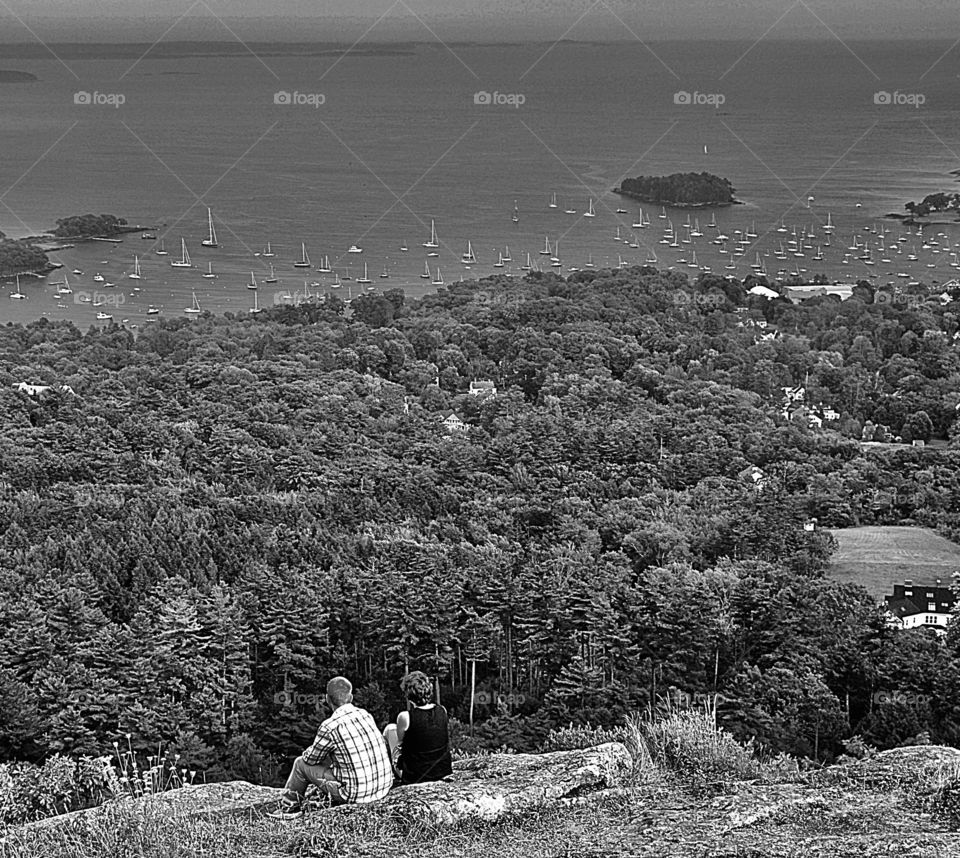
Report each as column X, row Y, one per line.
column 489, row 787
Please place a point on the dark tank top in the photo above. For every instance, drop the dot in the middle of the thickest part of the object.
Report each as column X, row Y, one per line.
column 426, row 747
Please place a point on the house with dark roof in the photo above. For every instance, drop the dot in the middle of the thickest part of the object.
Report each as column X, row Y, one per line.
column 916, row 604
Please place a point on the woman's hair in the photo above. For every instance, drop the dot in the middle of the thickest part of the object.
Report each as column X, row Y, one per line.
column 417, row 688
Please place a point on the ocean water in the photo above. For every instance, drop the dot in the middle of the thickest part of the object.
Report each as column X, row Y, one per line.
column 399, row 139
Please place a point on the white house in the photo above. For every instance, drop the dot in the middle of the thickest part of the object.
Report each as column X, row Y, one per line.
column 452, row 422
column 483, row 388
column 40, row 389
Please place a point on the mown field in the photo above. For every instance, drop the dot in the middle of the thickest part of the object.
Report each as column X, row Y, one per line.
column 879, row 557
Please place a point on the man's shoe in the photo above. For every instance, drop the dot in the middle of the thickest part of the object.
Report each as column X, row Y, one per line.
column 287, row 810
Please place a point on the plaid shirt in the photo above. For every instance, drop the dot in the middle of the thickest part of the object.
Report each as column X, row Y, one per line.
column 357, row 754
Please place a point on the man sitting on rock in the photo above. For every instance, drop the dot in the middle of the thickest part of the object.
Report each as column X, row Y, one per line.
column 348, row 760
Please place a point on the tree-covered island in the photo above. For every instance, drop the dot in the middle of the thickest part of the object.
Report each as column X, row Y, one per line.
column 91, row 226
column 681, row 190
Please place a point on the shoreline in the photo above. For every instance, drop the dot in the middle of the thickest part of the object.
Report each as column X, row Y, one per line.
column 676, row 205
column 939, row 219
column 48, row 237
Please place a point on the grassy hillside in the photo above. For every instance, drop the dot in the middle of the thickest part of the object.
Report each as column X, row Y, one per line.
column 878, row 557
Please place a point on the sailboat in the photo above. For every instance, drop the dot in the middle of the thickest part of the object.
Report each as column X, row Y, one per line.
column 516, row 213
column 713, row 220
column 546, row 246
column 652, row 257
column 468, row 257
column 336, row 281
column 184, row 260
column 211, row 239
column 384, row 274
column 304, row 261
column 324, row 265
column 438, row 280
column 18, row 295
column 196, row 306
column 256, row 304
column 426, row 270
column 506, row 255
column 161, row 251
column 253, row 282
column 268, row 252
column 433, row 236
column 63, row 288
column 209, row 272
column 589, row 262
column 663, row 213
column 590, row 211
column 273, row 277
column 365, row 278
column 136, row 269
column 828, row 226
column 555, row 259
column 499, row 262
column 553, row 201
column 526, row 266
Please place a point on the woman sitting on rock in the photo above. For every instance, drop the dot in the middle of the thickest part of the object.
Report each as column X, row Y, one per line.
column 419, row 742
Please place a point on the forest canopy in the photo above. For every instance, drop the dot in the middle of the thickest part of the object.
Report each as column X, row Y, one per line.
column 223, row 512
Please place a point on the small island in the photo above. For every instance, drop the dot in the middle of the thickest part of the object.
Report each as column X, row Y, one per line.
column 13, row 76
column 91, row 226
column 680, row 190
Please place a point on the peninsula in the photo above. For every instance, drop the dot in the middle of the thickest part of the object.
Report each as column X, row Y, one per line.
column 13, row 76
column 680, row 190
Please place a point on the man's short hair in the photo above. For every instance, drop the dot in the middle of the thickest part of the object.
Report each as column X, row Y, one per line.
column 339, row 690
column 417, row 688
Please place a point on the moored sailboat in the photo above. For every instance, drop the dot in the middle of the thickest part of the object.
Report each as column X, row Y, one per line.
column 184, row 260
column 211, row 239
